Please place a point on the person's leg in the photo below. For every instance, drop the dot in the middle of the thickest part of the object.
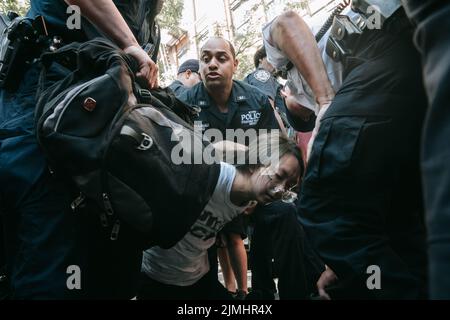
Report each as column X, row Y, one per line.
column 298, row 270
column 41, row 232
column 209, row 288
column 433, row 40
column 234, row 232
column 238, row 259
column 261, row 255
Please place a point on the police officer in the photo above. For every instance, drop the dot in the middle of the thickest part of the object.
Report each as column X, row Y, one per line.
column 226, row 103
column 433, row 41
column 229, row 104
column 46, row 243
column 263, row 79
column 361, row 201
column 187, row 76
column 277, row 236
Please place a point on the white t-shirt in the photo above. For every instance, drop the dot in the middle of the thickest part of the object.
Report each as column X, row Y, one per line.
column 303, row 93
column 186, row 262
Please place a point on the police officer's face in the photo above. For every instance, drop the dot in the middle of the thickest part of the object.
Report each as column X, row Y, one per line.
column 217, row 64
column 269, row 183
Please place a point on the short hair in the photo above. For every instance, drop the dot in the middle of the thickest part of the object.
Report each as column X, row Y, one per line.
column 259, row 54
column 233, row 51
column 191, row 64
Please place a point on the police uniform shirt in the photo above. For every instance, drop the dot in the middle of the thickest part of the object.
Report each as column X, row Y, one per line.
column 177, row 87
column 138, row 14
column 268, row 84
column 264, row 81
column 303, row 93
column 55, row 16
column 248, row 108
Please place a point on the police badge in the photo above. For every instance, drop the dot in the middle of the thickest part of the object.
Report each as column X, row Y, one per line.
column 262, row 75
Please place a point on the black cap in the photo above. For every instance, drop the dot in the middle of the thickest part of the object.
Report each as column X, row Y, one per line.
column 191, row 64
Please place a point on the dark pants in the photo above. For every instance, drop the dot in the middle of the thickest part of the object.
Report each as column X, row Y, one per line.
column 207, row 288
column 433, row 41
column 361, row 199
column 279, row 236
column 43, row 236
column 40, row 241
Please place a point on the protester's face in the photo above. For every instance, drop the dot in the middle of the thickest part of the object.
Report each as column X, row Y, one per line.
column 217, row 64
column 190, row 78
column 270, row 182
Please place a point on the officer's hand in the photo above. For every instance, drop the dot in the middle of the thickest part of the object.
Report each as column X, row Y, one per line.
column 148, row 70
column 327, row 278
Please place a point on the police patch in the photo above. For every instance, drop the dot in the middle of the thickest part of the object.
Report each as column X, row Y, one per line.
column 262, row 75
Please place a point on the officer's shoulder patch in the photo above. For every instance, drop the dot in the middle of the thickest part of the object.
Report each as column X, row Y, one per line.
column 262, row 75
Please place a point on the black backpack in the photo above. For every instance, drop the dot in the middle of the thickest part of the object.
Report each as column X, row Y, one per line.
column 114, row 140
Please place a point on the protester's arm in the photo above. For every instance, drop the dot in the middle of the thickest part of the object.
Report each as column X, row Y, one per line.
column 292, row 36
column 105, row 16
column 238, row 260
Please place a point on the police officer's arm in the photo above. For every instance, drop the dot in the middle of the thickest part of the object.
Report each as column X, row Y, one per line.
column 105, row 16
column 292, row 36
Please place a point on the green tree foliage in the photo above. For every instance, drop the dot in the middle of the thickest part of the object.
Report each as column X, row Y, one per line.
column 14, row 5
column 245, row 42
column 298, row 6
column 170, row 16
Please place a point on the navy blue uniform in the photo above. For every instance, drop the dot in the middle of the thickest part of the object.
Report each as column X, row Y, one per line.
column 248, row 108
column 264, row 81
column 268, row 84
column 43, row 236
column 433, row 41
column 361, row 198
column 177, row 87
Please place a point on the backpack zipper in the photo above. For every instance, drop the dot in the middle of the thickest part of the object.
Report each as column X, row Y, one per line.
column 107, row 204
